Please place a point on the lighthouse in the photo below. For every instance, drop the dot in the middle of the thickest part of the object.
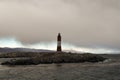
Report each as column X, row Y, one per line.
column 59, row 48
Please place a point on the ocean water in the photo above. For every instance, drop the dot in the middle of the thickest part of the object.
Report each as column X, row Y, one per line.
column 73, row 71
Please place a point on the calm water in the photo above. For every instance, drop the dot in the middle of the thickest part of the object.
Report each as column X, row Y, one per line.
column 77, row 71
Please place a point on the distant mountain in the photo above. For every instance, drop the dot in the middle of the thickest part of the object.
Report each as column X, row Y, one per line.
column 7, row 50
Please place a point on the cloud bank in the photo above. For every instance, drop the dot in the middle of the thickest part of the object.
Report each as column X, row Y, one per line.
column 81, row 22
column 14, row 43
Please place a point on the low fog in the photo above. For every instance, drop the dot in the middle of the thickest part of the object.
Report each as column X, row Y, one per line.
column 83, row 23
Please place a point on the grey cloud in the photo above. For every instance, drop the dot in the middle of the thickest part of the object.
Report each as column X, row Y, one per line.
column 81, row 22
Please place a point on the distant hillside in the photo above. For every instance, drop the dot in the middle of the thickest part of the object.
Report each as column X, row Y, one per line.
column 9, row 50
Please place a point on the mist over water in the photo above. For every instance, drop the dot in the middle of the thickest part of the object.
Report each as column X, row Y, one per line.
column 14, row 43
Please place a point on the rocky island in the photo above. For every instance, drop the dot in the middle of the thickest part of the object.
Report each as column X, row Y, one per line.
column 48, row 58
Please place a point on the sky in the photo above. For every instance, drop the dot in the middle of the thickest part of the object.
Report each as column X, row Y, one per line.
column 83, row 23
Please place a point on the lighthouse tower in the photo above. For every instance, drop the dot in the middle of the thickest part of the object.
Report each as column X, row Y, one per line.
column 59, row 49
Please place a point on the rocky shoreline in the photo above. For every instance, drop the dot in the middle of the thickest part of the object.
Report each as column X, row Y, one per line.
column 48, row 58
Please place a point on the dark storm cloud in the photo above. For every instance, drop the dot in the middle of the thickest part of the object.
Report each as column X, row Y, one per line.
column 81, row 22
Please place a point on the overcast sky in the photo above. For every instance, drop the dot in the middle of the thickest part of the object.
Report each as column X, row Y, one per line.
column 81, row 22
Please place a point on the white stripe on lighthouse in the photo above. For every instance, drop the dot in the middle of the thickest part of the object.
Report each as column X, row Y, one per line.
column 59, row 43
